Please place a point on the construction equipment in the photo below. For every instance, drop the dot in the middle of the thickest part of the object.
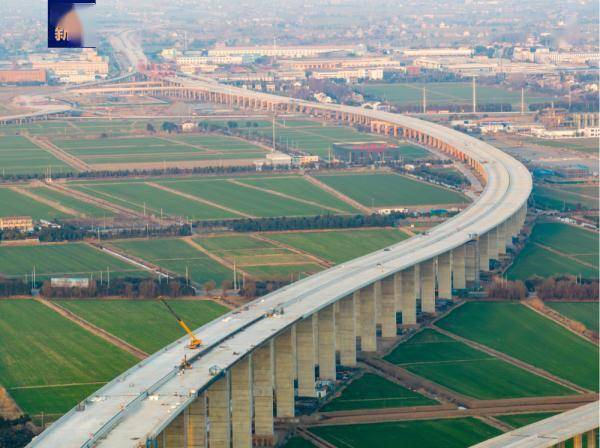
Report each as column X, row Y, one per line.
column 194, row 341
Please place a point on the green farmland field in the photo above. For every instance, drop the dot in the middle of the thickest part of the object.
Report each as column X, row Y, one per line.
column 19, row 156
column 261, row 259
column 158, row 149
column 300, row 188
column 57, row 260
column 585, row 312
column 467, row 371
column 134, row 195
column 446, row 93
column 147, row 325
column 14, row 203
column 71, row 202
column 373, row 391
column 450, row 433
column 564, row 249
column 176, row 255
column 518, row 420
column 244, row 199
column 38, row 347
column 522, row 333
column 585, row 145
column 340, row 245
column 382, row 190
column 565, row 197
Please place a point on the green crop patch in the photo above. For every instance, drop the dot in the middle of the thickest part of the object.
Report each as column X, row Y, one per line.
column 175, row 255
column 585, row 312
column 20, row 156
column 450, row 433
column 244, row 199
column 446, row 93
column 146, row 198
column 373, row 391
column 297, row 187
column 63, row 260
column 471, row 372
column 383, row 190
column 565, row 197
column 565, row 249
column 72, row 203
column 39, row 347
column 340, row 245
column 518, row 420
column 14, row 203
column 261, row 259
column 524, row 334
column 147, row 325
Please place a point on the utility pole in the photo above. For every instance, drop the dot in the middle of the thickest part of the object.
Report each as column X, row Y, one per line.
column 424, row 100
column 474, row 94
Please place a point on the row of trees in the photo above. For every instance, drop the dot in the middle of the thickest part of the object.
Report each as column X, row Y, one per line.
column 567, row 288
column 15, row 433
column 304, row 222
column 506, row 290
column 130, row 287
column 68, row 232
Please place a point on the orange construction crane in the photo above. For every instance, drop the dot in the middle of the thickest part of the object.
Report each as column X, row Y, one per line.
column 194, row 341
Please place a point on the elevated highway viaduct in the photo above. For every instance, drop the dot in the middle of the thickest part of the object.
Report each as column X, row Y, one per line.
column 257, row 360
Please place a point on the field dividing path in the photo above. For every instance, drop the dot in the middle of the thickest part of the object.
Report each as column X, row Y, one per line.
column 514, row 361
column 198, row 199
column 562, row 254
column 60, row 154
column 100, row 332
column 286, row 196
column 337, row 194
column 54, row 205
column 189, row 240
column 321, row 261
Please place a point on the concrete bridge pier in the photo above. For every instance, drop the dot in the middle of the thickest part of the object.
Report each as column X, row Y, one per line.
column 408, row 296
column 241, row 403
column 444, row 275
column 219, row 413
column 195, row 423
column 305, row 356
column 346, row 328
column 262, row 387
column 427, row 274
column 284, row 374
column 459, row 267
column 472, row 263
column 388, row 306
column 493, row 244
column 484, row 252
column 367, row 318
column 326, row 343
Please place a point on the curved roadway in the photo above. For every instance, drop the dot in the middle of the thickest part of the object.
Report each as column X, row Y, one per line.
column 141, row 402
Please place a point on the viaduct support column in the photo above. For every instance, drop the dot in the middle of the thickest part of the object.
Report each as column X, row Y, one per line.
column 284, row 374
column 501, row 238
column 305, row 353
column 241, row 403
column 345, row 325
column 196, row 423
column 262, row 368
column 493, row 243
column 471, row 263
column 388, row 307
column 484, row 252
column 507, row 232
column 368, row 325
column 459, row 268
column 408, row 297
column 326, row 343
column 219, row 435
column 174, row 434
column 591, row 438
column 427, row 274
column 444, row 264
column 578, row 441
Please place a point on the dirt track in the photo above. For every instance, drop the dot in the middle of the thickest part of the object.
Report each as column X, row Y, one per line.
column 100, row 332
